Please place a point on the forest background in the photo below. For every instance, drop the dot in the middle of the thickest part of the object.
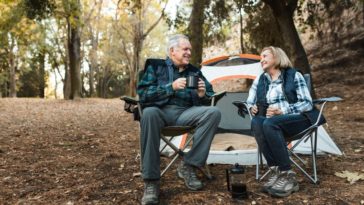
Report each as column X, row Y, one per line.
column 85, row 151
column 94, row 48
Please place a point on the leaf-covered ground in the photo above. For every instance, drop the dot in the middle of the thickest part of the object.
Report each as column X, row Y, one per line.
column 84, row 152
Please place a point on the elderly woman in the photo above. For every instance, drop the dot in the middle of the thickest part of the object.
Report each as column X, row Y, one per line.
column 277, row 100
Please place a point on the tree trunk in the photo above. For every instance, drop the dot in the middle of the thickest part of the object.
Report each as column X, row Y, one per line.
column 241, row 30
column 196, row 30
column 12, row 70
column 91, row 80
column 99, row 87
column 75, row 73
column 101, row 76
column 42, row 83
column 296, row 51
column 55, row 85
column 93, row 62
column 138, row 43
column 74, row 50
column 12, row 76
column 283, row 12
column 67, row 82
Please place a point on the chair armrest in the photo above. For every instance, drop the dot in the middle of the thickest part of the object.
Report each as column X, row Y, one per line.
column 133, row 106
column 322, row 102
column 129, row 100
column 329, row 99
column 216, row 97
column 242, row 108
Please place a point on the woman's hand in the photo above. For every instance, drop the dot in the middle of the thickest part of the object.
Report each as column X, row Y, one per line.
column 271, row 111
column 254, row 110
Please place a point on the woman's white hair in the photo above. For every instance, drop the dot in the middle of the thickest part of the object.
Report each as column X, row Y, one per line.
column 281, row 58
column 173, row 41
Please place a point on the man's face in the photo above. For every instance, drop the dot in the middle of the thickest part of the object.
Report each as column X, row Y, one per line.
column 181, row 54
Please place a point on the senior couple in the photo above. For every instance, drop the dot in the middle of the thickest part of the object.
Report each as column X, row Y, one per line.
column 166, row 101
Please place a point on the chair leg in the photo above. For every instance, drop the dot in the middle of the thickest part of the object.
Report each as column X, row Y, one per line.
column 178, row 152
column 297, row 157
column 314, row 151
column 140, row 154
column 206, row 172
column 170, row 164
column 170, row 140
column 257, row 165
column 170, row 143
column 260, row 166
column 313, row 141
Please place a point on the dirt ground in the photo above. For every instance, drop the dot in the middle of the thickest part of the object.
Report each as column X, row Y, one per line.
column 84, row 152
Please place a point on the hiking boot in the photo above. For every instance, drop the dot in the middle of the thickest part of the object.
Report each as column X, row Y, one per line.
column 187, row 172
column 285, row 185
column 151, row 192
column 274, row 172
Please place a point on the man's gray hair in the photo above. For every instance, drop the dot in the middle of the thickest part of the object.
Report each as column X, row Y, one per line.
column 173, row 41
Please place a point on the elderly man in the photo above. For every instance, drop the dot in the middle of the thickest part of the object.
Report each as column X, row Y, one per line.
column 167, row 101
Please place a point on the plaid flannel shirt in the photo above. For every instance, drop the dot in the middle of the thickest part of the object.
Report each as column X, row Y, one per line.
column 150, row 90
column 276, row 98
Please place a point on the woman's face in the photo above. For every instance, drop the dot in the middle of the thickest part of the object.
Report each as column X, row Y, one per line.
column 267, row 60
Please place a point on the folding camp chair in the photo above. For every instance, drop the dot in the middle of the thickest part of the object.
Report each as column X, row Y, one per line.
column 132, row 105
column 308, row 134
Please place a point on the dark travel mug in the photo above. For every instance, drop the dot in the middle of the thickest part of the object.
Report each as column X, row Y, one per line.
column 192, row 82
column 262, row 109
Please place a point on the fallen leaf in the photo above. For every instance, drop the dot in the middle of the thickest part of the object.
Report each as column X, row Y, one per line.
column 137, row 174
column 352, row 177
column 121, row 167
column 126, row 192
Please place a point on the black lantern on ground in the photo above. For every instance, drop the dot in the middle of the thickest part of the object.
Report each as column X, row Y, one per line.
column 235, row 178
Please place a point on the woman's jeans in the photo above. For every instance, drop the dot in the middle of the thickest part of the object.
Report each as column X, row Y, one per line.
column 270, row 135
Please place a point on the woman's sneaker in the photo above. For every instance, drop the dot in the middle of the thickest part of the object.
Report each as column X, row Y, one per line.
column 272, row 179
column 285, row 185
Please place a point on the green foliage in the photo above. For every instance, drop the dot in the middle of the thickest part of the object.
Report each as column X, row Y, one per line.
column 217, row 20
column 30, row 83
column 39, row 9
column 11, row 14
column 180, row 23
column 262, row 28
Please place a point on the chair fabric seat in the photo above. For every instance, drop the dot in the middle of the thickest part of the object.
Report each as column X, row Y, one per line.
column 176, row 130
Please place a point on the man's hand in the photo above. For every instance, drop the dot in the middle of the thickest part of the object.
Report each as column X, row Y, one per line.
column 179, row 84
column 254, row 110
column 271, row 111
column 201, row 90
